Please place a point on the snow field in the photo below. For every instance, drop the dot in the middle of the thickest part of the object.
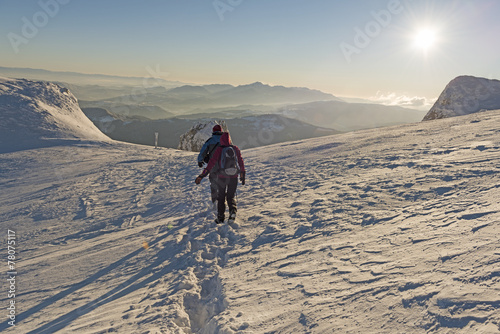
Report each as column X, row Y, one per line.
column 389, row 230
column 82, row 229
column 381, row 231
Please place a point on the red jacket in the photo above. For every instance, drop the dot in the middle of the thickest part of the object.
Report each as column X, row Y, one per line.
column 225, row 140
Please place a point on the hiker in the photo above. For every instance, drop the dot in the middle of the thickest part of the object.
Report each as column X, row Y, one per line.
column 206, row 153
column 230, row 165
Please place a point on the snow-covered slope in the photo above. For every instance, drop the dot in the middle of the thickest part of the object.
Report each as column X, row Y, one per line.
column 466, row 95
column 390, row 230
column 37, row 114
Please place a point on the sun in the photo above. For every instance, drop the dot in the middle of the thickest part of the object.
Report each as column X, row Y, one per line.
column 424, row 39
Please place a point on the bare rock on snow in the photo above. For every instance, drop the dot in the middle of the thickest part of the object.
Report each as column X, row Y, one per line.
column 36, row 114
column 194, row 139
column 466, row 95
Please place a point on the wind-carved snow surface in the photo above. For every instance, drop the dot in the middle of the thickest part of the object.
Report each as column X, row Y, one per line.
column 36, row 114
column 391, row 230
column 466, row 95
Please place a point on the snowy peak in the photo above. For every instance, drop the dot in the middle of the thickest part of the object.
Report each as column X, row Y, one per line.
column 466, row 95
column 259, row 93
column 35, row 114
column 291, row 92
column 256, row 93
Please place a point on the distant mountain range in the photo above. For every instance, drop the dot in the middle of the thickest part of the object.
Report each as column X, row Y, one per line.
column 345, row 116
column 189, row 99
column 256, row 114
column 129, row 109
column 466, row 95
column 227, row 102
column 38, row 114
column 247, row 132
column 96, row 90
column 152, row 75
column 162, row 100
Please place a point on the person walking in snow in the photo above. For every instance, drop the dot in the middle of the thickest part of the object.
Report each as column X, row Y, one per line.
column 206, row 153
column 230, row 165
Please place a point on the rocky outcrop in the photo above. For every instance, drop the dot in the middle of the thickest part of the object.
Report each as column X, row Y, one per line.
column 466, row 95
column 194, row 139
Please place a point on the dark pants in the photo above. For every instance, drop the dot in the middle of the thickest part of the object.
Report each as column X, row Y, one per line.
column 227, row 190
column 213, row 186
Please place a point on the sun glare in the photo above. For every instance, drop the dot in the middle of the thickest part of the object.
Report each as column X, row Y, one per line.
column 425, row 39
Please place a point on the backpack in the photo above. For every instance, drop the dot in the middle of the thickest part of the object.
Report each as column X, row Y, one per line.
column 229, row 162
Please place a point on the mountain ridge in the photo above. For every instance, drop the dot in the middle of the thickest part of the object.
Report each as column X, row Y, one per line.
column 37, row 113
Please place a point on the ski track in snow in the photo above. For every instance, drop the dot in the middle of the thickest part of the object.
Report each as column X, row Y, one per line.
column 388, row 230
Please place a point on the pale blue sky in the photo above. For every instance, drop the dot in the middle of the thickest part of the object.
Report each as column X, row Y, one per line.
column 279, row 42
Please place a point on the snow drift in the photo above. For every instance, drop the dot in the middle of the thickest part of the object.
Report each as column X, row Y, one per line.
column 36, row 114
column 466, row 95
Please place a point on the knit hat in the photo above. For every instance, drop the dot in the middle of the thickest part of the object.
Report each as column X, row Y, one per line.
column 217, row 128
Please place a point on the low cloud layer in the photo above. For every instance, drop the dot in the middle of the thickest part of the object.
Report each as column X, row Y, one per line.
column 413, row 102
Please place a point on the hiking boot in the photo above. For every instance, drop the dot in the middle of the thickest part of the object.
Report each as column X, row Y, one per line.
column 232, row 217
